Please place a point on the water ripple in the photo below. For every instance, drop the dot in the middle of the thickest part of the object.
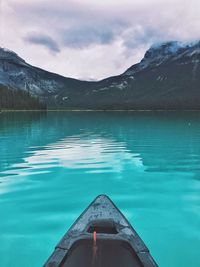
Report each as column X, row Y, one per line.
column 52, row 166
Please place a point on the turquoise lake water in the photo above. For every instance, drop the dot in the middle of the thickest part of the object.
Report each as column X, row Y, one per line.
column 53, row 164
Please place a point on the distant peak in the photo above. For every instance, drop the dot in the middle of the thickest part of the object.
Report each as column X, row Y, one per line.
column 163, row 49
column 9, row 55
column 160, row 53
column 167, row 44
column 5, row 51
column 172, row 46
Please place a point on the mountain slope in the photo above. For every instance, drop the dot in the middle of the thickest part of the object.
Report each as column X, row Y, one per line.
column 15, row 73
column 168, row 77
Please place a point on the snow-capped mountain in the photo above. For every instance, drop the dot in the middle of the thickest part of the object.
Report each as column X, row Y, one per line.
column 168, row 77
column 163, row 52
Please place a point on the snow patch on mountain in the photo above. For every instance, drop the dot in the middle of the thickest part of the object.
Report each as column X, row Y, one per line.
column 16, row 73
column 162, row 52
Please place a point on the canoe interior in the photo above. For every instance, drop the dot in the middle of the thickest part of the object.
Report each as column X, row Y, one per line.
column 106, row 253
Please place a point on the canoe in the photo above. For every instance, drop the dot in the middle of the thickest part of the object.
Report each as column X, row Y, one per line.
column 101, row 237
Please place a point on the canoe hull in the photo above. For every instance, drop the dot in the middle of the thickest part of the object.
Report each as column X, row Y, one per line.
column 117, row 243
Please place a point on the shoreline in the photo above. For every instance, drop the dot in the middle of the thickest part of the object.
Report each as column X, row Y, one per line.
column 99, row 110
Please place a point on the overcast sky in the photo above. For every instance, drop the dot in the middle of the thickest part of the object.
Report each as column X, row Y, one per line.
column 93, row 39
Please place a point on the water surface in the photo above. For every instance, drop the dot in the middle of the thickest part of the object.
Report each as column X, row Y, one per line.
column 53, row 164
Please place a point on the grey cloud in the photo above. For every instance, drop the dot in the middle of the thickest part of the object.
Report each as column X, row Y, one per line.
column 76, row 26
column 80, row 25
column 123, row 31
column 84, row 36
column 138, row 36
column 42, row 39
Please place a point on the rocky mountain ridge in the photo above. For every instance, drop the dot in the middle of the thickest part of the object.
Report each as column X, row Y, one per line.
column 168, row 77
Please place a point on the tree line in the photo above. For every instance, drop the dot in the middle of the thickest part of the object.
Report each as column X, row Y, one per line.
column 18, row 99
